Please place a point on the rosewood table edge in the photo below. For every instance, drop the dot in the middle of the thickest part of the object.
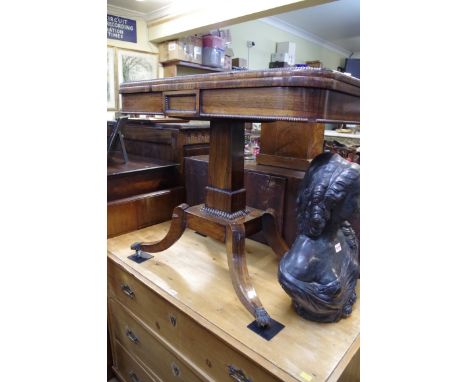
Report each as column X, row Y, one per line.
column 235, row 83
column 250, row 74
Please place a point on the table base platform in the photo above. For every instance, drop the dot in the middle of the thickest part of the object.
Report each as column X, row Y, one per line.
column 233, row 233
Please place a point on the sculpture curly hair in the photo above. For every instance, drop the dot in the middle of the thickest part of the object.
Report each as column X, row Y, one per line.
column 325, row 185
column 321, row 268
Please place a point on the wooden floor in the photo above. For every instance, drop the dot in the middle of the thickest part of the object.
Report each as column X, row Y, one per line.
column 116, row 164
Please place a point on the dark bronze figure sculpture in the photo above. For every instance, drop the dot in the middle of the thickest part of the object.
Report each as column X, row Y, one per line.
column 321, row 268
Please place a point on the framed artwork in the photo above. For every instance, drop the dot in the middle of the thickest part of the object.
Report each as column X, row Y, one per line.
column 135, row 66
column 111, row 89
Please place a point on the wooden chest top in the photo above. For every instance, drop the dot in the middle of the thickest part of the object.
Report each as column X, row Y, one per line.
column 193, row 276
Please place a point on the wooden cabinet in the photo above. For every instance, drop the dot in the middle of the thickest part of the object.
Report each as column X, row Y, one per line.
column 290, row 144
column 145, row 190
column 169, row 141
column 266, row 187
column 176, row 318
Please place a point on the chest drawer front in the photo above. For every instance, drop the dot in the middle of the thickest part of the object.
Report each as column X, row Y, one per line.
column 153, row 354
column 153, row 310
column 128, row 367
column 206, row 351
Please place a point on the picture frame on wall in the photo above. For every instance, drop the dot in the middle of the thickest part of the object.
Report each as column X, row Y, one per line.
column 136, row 66
column 111, row 88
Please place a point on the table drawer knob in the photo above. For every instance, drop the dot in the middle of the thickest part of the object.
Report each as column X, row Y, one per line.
column 133, row 377
column 131, row 336
column 127, row 290
column 237, row 374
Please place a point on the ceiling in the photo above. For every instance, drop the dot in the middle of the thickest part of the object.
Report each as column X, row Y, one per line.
column 143, row 7
column 334, row 24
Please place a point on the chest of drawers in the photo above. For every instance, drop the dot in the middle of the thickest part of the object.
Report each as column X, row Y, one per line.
column 177, row 318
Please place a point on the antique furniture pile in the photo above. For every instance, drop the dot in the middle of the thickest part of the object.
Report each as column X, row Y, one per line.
column 144, row 187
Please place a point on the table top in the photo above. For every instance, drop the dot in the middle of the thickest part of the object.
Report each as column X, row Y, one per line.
column 193, row 275
column 280, row 94
column 303, row 77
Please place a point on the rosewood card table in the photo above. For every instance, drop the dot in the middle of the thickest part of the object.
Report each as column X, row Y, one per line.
column 307, row 97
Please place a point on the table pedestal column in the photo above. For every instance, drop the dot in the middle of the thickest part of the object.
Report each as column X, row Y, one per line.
column 225, row 191
column 225, row 217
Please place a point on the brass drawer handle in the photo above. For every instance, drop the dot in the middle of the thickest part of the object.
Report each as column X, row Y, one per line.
column 127, row 290
column 175, row 369
column 131, row 336
column 134, row 377
column 237, row 374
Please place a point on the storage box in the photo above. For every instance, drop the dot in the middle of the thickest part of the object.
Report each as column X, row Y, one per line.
column 239, row 62
column 197, row 49
column 227, row 62
column 278, row 64
column 213, row 57
column 173, row 50
column 185, row 49
column 314, row 64
column 286, row 47
column 228, row 54
column 211, row 41
column 282, row 57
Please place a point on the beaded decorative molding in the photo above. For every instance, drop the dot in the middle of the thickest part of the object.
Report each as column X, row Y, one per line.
column 256, row 117
column 223, row 214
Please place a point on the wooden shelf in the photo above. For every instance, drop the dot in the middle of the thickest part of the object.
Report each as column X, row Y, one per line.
column 117, row 166
column 171, row 68
column 331, row 133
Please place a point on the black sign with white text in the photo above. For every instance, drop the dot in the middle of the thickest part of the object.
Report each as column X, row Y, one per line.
column 120, row 28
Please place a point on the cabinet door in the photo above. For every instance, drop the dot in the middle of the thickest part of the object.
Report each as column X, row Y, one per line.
column 265, row 191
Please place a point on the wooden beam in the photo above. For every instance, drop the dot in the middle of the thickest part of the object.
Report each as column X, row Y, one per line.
column 205, row 17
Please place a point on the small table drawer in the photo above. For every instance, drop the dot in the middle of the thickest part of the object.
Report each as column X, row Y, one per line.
column 128, row 367
column 134, row 337
column 182, row 103
column 213, row 357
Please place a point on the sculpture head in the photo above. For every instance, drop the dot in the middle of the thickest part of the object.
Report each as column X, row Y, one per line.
column 320, row 269
column 329, row 194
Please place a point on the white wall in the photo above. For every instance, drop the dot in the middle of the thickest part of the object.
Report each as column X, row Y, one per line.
column 266, row 36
